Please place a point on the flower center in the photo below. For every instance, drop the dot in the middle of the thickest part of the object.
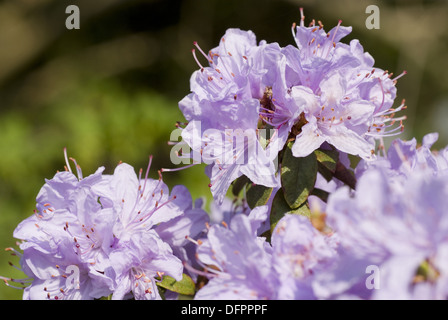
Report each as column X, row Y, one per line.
column 297, row 127
column 426, row 272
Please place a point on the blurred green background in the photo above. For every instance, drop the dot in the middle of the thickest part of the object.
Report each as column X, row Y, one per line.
column 109, row 91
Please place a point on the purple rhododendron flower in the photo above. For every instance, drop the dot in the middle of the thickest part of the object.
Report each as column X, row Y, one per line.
column 403, row 157
column 223, row 111
column 117, row 231
column 138, row 261
column 68, row 223
column 181, row 231
column 241, row 265
column 300, row 252
column 224, row 213
column 140, row 203
column 336, row 93
column 139, row 254
column 236, row 261
column 61, row 275
column 227, row 210
column 323, row 90
column 400, row 228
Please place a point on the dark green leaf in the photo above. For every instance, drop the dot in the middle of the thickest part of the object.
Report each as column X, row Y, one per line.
column 354, row 160
column 345, row 175
column 298, row 176
column 239, row 184
column 303, row 210
column 328, row 158
column 258, row 195
column 186, row 286
column 322, row 194
column 267, row 235
column 280, row 208
column 325, row 172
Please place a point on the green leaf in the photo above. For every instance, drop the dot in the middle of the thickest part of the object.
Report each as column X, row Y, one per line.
column 325, row 172
column 345, row 175
column 186, row 286
column 328, row 158
column 258, row 195
column 354, row 160
column 239, row 185
column 341, row 172
column 322, row 194
column 298, row 176
column 280, row 208
column 267, row 235
column 303, row 210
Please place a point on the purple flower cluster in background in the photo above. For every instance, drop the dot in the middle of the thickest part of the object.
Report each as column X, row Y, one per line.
column 356, row 221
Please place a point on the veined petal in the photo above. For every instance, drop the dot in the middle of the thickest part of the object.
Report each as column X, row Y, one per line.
column 304, row 99
column 307, row 141
column 124, row 185
column 259, row 169
column 357, row 50
column 357, row 113
column 221, row 177
column 333, row 88
column 179, row 201
column 350, row 142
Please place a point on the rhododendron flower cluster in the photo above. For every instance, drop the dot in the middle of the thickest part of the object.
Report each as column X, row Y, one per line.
column 308, row 203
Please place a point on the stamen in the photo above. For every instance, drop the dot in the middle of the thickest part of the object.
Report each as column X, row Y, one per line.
column 302, row 18
column 293, row 28
column 196, row 242
column 203, row 53
column 198, row 272
column 14, row 266
column 5, row 280
column 196, row 59
column 141, row 217
column 78, row 169
column 332, row 39
column 177, row 169
column 66, row 161
column 14, row 252
column 147, row 172
column 400, row 75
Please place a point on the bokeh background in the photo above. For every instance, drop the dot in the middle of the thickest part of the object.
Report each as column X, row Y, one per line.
column 109, row 91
